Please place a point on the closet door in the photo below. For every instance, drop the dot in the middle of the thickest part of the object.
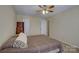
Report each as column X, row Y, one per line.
column 43, row 26
column 26, row 26
column 35, row 26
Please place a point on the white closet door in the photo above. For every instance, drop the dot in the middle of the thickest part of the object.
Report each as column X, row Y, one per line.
column 35, row 26
column 44, row 26
column 26, row 25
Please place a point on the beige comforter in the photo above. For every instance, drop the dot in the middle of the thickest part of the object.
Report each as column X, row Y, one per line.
column 37, row 43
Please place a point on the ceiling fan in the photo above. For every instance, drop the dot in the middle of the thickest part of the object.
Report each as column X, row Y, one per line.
column 46, row 8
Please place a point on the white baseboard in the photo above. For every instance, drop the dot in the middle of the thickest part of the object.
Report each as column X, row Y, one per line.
column 69, row 44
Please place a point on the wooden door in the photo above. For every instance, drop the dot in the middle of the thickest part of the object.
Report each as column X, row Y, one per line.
column 19, row 27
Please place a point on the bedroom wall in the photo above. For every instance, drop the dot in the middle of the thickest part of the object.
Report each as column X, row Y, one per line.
column 34, row 25
column 20, row 18
column 7, row 23
column 65, row 26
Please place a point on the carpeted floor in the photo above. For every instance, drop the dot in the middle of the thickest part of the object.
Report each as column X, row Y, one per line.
column 68, row 49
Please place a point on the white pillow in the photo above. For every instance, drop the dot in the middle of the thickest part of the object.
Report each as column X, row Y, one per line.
column 21, row 41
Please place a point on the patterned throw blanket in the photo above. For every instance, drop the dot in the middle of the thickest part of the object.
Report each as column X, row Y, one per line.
column 21, row 41
column 18, row 44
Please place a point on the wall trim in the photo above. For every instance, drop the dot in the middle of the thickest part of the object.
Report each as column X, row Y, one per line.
column 69, row 44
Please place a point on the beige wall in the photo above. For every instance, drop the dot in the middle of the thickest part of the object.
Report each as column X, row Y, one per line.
column 7, row 23
column 65, row 26
column 34, row 23
column 34, row 26
column 20, row 18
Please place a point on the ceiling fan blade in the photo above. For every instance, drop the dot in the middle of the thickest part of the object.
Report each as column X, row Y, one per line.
column 40, row 6
column 44, row 5
column 51, row 11
column 52, row 6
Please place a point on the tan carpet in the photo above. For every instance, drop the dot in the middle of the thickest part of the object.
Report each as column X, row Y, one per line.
column 68, row 49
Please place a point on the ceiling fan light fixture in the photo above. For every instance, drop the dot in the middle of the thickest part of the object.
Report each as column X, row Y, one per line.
column 44, row 12
column 45, row 9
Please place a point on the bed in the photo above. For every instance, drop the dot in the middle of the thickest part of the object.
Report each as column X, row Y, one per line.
column 36, row 44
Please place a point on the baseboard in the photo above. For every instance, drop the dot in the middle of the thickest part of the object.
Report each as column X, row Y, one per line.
column 69, row 44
